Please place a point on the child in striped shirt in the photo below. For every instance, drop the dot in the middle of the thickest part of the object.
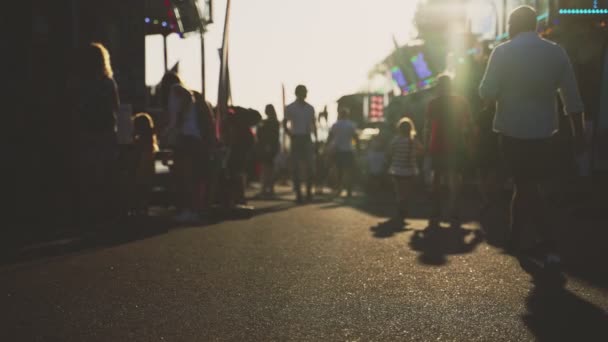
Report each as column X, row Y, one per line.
column 403, row 165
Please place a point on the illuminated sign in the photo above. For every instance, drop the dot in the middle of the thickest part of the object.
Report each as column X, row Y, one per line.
column 420, row 66
column 586, row 7
column 376, row 107
column 399, row 78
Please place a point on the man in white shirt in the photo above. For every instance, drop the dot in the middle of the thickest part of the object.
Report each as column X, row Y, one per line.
column 299, row 123
column 523, row 77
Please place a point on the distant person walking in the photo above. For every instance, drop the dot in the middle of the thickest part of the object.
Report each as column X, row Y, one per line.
column 341, row 136
column 523, row 77
column 299, row 124
column 268, row 148
column 402, row 156
column 95, row 112
column 449, row 136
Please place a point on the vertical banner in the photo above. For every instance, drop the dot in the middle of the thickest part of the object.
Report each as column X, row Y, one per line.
column 223, row 91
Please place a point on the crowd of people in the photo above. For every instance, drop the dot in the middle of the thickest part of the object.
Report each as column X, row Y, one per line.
column 210, row 157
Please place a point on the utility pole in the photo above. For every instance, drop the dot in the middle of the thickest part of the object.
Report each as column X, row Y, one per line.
column 203, row 86
column 223, row 84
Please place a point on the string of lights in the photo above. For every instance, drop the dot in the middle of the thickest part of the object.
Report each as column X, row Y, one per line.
column 583, row 11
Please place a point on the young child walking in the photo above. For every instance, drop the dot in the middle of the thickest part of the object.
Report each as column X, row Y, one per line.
column 145, row 146
column 403, row 165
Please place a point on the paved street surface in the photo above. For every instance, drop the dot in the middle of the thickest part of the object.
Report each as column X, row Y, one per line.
column 332, row 270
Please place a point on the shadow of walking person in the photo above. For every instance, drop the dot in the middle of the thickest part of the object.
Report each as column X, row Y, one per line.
column 388, row 228
column 556, row 314
column 436, row 242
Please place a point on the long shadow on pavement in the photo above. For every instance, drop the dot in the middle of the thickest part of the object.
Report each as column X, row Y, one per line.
column 388, row 228
column 556, row 314
column 436, row 242
column 580, row 239
column 118, row 233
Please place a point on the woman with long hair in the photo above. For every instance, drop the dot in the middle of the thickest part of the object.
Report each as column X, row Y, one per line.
column 95, row 111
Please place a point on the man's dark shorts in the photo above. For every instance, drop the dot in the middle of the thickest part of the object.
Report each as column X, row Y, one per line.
column 527, row 160
column 345, row 160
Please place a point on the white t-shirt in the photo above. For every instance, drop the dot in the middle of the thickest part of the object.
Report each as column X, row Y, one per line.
column 301, row 115
column 343, row 132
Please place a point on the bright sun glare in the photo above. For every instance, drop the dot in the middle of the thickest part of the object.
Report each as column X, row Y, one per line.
column 327, row 45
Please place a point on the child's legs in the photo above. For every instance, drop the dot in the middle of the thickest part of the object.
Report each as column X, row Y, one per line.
column 403, row 187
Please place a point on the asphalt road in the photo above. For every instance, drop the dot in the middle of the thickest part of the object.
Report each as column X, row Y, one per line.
column 332, row 270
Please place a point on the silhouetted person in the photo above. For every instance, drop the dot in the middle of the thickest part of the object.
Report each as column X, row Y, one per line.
column 268, row 148
column 241, row 142
column 183, row 134
column 206, row 175
column 299, row 124
column 96, row 106
column 523, row 76
column 341, row 136
column 145, row 146
column 449, row 133
column 403, row 152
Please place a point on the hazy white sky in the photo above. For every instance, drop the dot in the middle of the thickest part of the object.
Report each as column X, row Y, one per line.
column 328, row 45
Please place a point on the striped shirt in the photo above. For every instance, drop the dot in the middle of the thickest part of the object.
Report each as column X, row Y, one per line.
column 403, row 157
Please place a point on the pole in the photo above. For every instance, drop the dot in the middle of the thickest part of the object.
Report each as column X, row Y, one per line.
column 165, row 52
column 222, row 94
column 203, row 87
column 504, row 16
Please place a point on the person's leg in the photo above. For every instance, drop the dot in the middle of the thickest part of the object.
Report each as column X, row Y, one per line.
column 339, row 162
column 540, row 210
column 436, row 194
column 349, row 173
column 401, row 192
column 268, row 178
column 296, row 161
column 296, row 179
column 521, row 210
column 310, row 174
column 454, row 188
